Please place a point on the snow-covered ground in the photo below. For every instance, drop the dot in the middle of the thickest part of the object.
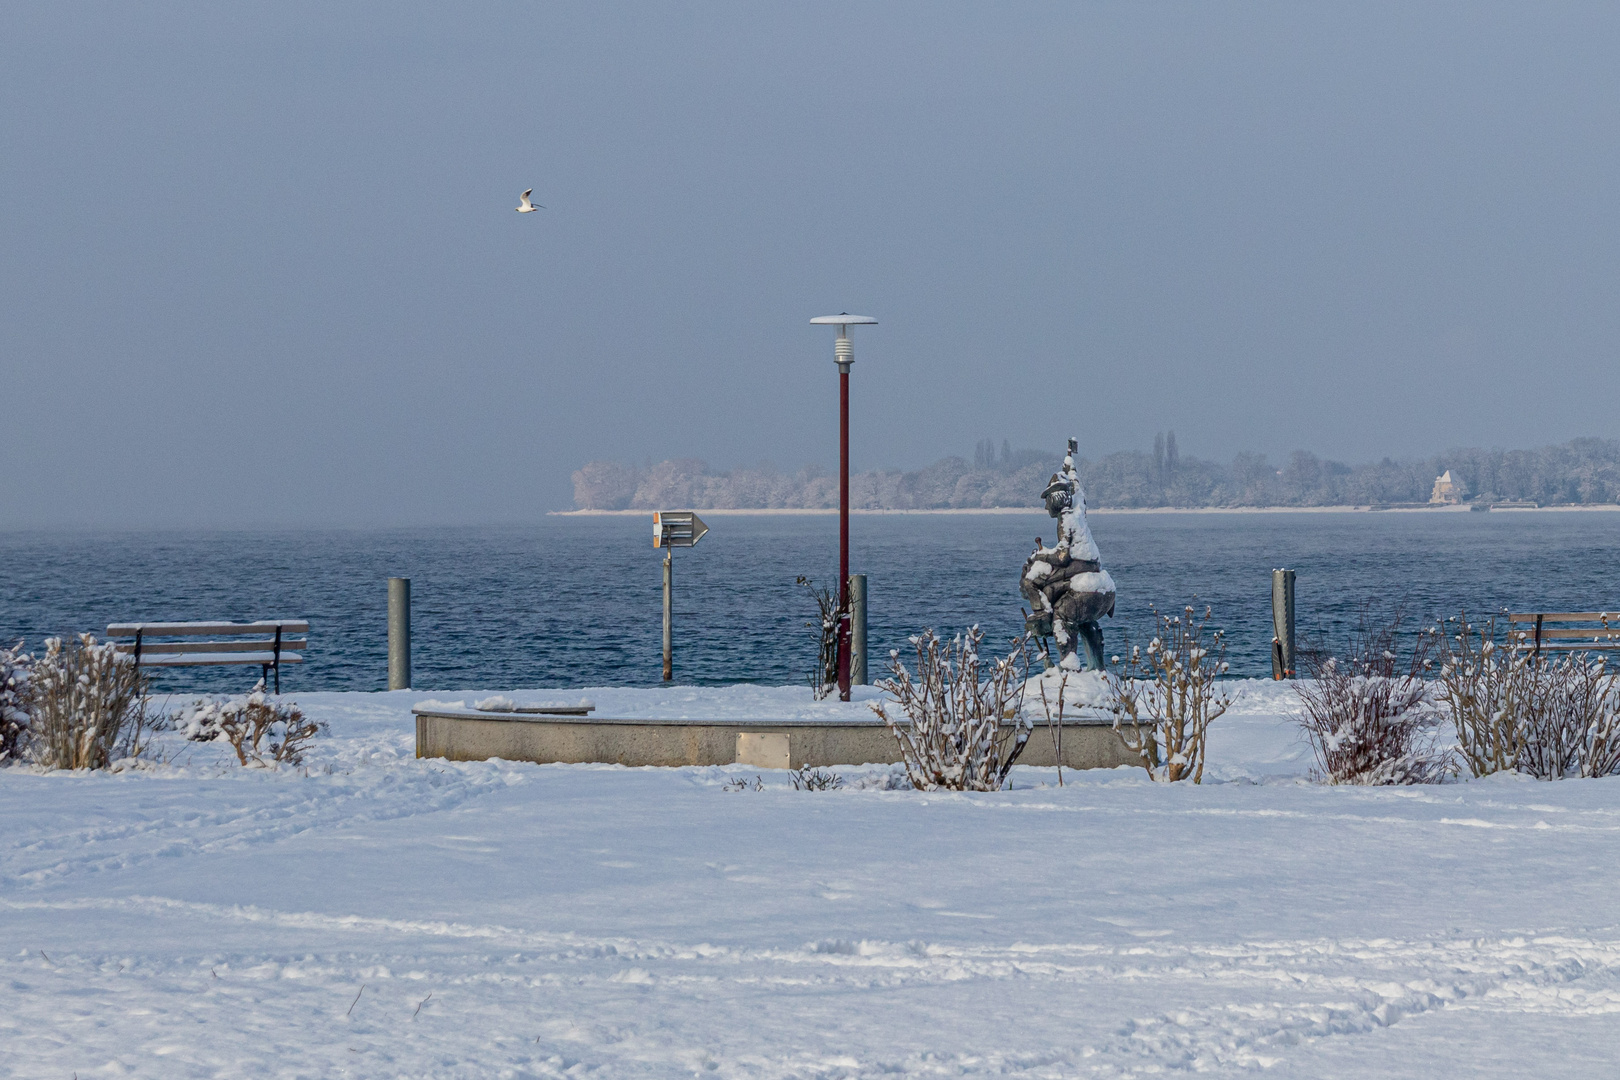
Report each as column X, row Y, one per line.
column 379, row 916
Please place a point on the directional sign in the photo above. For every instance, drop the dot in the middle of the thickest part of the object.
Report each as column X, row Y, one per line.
column 675, row 529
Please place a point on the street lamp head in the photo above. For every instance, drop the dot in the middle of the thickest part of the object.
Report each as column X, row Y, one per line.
column 843, row 351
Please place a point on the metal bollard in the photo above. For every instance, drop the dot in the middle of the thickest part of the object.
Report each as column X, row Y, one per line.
column 399, row 633
column 857, row 629
column 669, row 615
column 1282, row 623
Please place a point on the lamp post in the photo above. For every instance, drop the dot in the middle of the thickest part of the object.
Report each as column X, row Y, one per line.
column 843, row 356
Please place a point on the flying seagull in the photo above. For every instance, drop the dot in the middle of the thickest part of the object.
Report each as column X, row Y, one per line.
column 524, row 206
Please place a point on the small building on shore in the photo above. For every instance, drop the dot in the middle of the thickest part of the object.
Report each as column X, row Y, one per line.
column 1446, row 492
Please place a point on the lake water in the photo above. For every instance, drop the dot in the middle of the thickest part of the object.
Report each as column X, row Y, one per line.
column 576, row 601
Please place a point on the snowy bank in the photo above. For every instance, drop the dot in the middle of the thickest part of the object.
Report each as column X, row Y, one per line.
column 376, row 915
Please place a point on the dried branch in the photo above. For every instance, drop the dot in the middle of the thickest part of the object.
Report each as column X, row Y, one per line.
column 832, row 613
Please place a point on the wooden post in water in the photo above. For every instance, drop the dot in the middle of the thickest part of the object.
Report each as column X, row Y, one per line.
column 669, row 566
column 1282, row 623
column 399, row 633
column 857, row 629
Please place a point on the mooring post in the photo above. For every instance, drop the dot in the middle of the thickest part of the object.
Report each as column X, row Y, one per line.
column 857, row 629
column 1282, row 624
column 669, row 671
column 399, row 633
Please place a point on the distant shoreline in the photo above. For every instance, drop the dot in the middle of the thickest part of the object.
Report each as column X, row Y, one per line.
column 1041, row 511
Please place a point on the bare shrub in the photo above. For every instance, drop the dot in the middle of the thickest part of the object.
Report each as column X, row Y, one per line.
column 260, row 728
column 1480, row 686
column 808, row 779
column 742, row 784
column 1166, row 697
column 1566, row 703
column 1603, row 745
column 824, row 679
column 87, row 705
column 1550, row 716
column 14, row 665
column 956, row 730
column 1367, row 714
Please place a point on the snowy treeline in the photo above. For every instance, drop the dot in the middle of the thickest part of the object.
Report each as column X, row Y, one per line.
column 1581, row 471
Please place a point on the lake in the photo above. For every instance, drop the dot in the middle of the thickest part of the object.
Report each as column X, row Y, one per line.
column 575, row 601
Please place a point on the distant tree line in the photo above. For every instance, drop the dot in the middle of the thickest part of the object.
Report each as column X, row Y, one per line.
column 1582, row 471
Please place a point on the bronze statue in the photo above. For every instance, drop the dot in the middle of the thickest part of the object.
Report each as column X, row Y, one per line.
column 1066, row 586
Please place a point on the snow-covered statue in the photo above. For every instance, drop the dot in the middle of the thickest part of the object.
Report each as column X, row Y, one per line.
column 1066, row 586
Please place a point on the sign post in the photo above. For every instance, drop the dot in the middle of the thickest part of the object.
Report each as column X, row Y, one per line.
column 673, row 529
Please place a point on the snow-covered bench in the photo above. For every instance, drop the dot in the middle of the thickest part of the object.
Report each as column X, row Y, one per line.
column 269, row 644
column 1562, row 631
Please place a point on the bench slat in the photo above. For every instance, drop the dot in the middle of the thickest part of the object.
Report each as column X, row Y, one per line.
column 198, row 629
column 199, row 659
column 255, row 645
column 1550, row 634
column 1567, row 646
column 1568, row 616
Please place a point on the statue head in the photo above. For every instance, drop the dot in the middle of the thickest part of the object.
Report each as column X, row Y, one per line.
column 1058, row 496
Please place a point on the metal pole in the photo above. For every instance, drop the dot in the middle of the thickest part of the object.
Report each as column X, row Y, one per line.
column 843, row 514
column 1282, row 622
column 399, row 633
column 669, row 565
column 857, row 629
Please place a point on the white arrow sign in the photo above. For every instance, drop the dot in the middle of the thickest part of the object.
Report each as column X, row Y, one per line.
column 677, row 528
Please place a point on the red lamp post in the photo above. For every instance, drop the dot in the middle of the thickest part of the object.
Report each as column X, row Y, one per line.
column 843, row 356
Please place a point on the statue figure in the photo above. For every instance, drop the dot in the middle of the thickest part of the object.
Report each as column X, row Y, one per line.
column 1066, row 586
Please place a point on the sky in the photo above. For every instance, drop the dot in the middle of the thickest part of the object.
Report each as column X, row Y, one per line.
column 261, row 265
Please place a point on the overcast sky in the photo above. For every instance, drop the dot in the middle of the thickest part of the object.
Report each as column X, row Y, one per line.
column 260, row 262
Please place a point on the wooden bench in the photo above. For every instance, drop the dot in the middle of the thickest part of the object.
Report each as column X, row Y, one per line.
column 1563, row 631
column 269, row 644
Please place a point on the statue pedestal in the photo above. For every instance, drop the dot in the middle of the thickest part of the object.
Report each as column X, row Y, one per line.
column 1085, row 694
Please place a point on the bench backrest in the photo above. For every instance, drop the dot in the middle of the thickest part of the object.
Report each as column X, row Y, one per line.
column 271, row 642
column 1564, row 631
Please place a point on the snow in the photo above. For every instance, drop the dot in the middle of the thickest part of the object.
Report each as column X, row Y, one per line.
column 1092, row 581
column 1083, row 693
column 375, row 915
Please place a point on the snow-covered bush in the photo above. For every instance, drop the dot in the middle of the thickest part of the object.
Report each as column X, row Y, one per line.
column 87, row 705
column 824, row 679
column 260, row 728
column 1480, row 687
column 1367, row 714
column 1166, row 696
column 1569, row 724
column 1551, row 716
column 14, row 665
column 956, row 730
